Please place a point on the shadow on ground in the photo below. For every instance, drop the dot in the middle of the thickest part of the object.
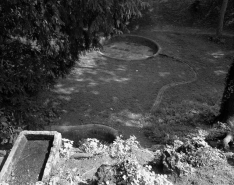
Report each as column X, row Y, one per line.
column 121, row 93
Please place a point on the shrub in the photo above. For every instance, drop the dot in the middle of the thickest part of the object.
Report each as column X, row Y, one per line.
column 183, row 157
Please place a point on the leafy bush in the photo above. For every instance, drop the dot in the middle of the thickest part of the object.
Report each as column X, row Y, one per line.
column 126, row 169
column 130, row 171
column 66, row 147
column 33, row 53
column 8, row 128
column 183, row 157
column 93, row 146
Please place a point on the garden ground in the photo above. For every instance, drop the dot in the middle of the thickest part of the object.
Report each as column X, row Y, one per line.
column 174, row 95
column 125, row 94
column 147, row 99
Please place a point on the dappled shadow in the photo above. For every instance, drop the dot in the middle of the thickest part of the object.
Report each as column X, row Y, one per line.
column 111, row 90
column 121, row 93
column 114, row 92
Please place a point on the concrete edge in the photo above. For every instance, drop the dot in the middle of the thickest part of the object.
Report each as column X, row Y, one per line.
column 54, row 155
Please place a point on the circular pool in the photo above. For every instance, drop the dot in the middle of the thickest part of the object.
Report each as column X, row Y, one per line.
column 129, row 47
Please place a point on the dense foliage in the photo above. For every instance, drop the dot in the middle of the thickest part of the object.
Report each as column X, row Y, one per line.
column 28, row 59
column 40, row 40
column 212, row 8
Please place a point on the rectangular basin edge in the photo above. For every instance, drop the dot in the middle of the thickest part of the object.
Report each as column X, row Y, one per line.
column 18, row 148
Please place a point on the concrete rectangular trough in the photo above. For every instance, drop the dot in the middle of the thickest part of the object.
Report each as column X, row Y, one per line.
column 32, row 157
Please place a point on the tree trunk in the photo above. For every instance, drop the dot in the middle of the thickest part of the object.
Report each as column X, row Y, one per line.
column 221, row 19
column 227, row 106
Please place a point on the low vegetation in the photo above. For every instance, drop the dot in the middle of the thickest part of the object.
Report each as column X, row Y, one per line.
column 178, row 159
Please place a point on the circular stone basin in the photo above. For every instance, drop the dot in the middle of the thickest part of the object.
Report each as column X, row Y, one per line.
column 130, row 47
column 79, row 132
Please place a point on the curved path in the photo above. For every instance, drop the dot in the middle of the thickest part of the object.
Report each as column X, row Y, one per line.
column 159, row 97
